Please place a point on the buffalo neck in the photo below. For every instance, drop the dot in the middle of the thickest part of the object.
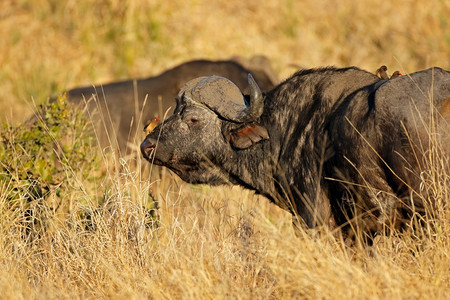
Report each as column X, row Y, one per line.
column 296, row 114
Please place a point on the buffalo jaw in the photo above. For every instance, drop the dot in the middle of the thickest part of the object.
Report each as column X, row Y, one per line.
column 198, row 173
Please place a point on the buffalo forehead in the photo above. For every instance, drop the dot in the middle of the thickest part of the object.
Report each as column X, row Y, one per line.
column 190, row 84
column 216, row 89
column 219, row 94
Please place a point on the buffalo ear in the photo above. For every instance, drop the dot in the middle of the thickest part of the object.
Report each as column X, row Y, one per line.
column 246, row 136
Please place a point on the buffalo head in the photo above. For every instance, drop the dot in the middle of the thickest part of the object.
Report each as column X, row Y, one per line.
column 212, row 121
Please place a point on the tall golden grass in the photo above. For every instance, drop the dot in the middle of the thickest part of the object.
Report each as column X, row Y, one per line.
column 209, row 242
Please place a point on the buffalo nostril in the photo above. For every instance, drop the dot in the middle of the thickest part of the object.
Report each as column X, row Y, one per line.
column 147, row 148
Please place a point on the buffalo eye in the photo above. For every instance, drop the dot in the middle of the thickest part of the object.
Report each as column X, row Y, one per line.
column 192, row 121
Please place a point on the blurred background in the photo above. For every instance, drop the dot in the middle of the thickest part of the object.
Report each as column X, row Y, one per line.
column 48, row 46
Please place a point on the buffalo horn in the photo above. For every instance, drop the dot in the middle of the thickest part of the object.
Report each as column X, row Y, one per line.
column 256, row 108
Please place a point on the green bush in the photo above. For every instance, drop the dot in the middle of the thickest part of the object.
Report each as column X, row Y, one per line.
column 43, row 160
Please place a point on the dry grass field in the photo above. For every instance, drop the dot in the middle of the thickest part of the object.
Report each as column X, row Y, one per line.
column 85, row 227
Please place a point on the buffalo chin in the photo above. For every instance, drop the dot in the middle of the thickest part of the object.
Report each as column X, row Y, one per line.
column 197, row 175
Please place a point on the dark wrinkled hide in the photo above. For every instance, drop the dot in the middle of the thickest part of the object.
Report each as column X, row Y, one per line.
column 336, row 142
column 121, row 107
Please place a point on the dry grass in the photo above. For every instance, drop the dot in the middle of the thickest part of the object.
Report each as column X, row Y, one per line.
column 210, row 242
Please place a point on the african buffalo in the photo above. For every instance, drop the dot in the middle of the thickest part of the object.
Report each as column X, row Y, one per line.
column 121, row 103
column 326, row 144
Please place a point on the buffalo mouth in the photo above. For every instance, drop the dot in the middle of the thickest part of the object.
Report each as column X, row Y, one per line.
column 193, row 172
column 150, row 153
column 153, row 159
column 180, row 169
